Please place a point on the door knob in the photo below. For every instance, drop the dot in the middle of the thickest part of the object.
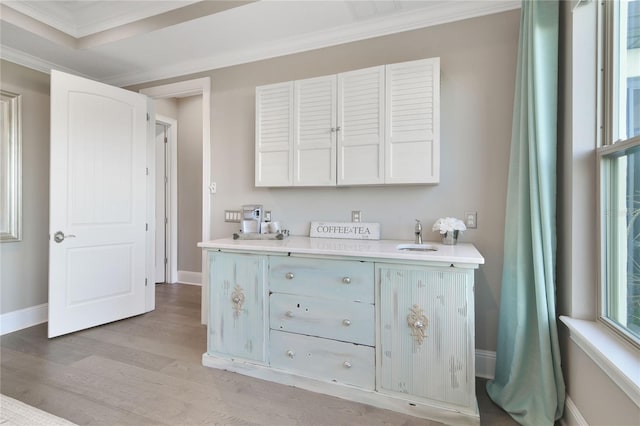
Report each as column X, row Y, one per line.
column 59, row 236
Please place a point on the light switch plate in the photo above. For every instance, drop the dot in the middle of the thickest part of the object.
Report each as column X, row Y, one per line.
column 233, row 216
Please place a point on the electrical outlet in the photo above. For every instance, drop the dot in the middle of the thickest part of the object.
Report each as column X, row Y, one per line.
column 471, row 219
column 356, row 216
column 233, row 216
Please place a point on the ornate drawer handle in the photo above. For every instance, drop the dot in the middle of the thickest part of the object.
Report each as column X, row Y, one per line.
column 346, row 280
column 289, row 314
column 289, row 275
column 237, row 299
column 290, row 353
column 346, row 322
column 346, row 364
column 418, row 323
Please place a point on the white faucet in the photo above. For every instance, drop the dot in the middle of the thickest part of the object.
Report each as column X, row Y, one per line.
column 418, row 232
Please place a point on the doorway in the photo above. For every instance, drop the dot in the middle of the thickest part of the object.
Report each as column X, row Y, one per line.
column 200, row 86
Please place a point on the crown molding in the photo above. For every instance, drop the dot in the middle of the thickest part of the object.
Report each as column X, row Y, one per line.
column 35, row 63
column 416, row 19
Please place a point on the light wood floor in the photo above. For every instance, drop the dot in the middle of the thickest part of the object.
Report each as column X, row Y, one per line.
column 147, row 370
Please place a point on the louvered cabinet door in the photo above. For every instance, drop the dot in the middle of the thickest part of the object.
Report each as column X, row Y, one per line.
column 426, row 346
column 361, row 127
column 412, row 136
column 274, row 135
column 238, row 314
column 315, row 132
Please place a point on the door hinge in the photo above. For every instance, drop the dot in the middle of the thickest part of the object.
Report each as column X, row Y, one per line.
column 148, row 117
column 166, row 220
column 147, row 171
column 166, row 260
column 145, row 282
column 166, row 140
column 146, row 226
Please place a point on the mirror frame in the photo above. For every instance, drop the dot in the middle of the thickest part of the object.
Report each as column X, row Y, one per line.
column 10, row 167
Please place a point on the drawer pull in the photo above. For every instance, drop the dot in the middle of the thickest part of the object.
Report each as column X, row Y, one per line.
column 346, row 322
column 346, row 364
column 289, row 275
column 346, row 280
column 289, row 314
column 418, row 323
column 290, row 353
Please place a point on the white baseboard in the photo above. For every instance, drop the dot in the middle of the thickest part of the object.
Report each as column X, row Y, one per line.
column 188, row 277
column 23, row 318
column 485, row 364
column 572, row 416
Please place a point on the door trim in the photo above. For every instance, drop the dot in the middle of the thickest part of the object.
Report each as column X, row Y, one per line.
column 199, row 86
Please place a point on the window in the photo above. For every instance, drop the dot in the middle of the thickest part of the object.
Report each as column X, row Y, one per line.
column 619, row 156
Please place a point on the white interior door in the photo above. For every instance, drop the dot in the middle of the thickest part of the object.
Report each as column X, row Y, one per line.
column 161, row 196
column 98, row 204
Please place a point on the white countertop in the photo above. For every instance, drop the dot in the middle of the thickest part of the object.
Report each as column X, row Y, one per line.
column 461, row 253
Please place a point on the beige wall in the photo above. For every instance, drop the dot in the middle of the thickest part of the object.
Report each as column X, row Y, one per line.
column 167, row 107
column 478, row 61
column 24, row 264
column 189, row 183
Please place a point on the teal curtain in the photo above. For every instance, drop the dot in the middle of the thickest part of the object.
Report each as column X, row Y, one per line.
column 528, row 380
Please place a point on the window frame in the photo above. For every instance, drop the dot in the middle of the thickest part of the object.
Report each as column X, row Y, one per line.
column 608, row 149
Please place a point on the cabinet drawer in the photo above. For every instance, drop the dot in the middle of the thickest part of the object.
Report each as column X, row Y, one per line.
column 333, row 319
column 323, row 359
column 331, row 279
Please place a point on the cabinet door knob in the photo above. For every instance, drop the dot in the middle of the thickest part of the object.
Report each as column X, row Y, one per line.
column 290, row 353
column 346, row 280
column 289, row 314
column 289, row 275
column 346, row 364
column 346, row 322
column 418, row 322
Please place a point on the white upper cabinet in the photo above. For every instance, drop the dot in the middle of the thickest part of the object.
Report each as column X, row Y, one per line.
column 373, row 126
column 412, row 145
column 314, row 142
column 274, row 135
column 360, row 129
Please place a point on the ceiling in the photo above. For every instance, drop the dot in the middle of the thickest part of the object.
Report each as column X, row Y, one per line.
column 129, row 42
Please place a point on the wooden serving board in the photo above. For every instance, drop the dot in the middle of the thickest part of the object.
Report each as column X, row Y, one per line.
column 256, row 236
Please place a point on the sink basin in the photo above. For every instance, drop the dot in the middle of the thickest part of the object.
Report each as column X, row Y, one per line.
column 416, row 247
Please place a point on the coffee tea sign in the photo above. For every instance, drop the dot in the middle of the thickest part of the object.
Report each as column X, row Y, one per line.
column 346, row 230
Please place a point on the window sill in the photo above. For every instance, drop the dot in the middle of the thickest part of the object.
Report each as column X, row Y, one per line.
column 618, row 359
